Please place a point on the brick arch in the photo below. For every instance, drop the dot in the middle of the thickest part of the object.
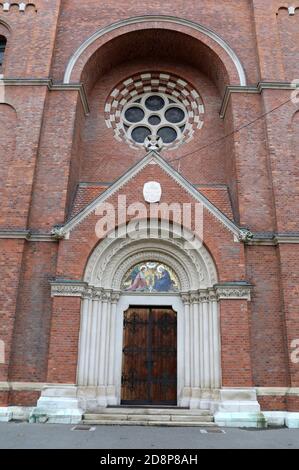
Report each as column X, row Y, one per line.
column 223, row 55
column 287, row 26
column 5, row 28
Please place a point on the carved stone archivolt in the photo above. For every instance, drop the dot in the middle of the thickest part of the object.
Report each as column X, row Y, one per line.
column 114, row 256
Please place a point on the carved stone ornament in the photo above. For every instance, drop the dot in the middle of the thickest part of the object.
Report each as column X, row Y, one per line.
column 233, row 292
column 57, row 232
column 83, row 290
column 64, row 289
column 153, row 143
column 245, row 235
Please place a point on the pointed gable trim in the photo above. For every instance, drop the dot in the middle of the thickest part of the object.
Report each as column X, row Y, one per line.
column 151, row 157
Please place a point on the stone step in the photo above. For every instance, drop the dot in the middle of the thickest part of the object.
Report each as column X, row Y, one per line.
column 144, row 417
column 184, row 418
column 150, row 411
column 148, row 423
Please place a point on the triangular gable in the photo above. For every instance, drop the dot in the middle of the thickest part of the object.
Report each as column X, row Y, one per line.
column 150, row 158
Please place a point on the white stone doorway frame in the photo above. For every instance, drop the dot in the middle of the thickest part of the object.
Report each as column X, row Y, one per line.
column 103, row 306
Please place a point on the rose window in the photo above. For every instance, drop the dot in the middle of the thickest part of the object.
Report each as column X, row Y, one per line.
column 154, row 116
column 154, row 111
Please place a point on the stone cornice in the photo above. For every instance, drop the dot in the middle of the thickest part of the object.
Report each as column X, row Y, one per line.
column 26, row 386
column 225, row 291
column 26, row 235
column 274, row 240
column 79, row 87
column 277, row 391
column 58, row 233
column 252, row 89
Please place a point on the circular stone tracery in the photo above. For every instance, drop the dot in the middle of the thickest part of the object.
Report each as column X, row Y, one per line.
column 154, row 109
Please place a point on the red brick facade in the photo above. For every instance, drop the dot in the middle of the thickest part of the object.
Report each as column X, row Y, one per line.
column 58, row 155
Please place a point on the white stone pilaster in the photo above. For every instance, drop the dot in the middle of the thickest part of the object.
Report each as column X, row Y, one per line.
column 187, row 381
column 82, row 340
column 206, row 349
column 103, row 334
column 196, row 344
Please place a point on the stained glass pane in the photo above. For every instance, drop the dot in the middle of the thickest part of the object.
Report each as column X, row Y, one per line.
column 154, row 120
column 134, row 114
column 150, row 276
column 174, row 115
column 154, row 103
column 167, row 134
column 140, row 133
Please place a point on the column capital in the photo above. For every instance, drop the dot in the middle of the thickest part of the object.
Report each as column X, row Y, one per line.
column 67, row 288
column 185, row 296
column 233, row 291
column 115, row 295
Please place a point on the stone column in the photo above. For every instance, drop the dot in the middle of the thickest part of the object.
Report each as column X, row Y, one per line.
column 111, row 380
column 195, row 351
column 206, row 340
column 185, row 399
column 201, row 348
column 96, row 366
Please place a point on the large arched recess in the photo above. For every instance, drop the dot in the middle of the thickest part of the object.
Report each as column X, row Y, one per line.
column 145, row 44
column 148, row 35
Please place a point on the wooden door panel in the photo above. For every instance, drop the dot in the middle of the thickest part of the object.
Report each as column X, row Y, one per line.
column 149, row 356
column 164, row 353
column 134, row 376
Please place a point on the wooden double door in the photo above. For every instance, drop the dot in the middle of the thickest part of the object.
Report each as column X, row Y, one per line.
column 149, row 368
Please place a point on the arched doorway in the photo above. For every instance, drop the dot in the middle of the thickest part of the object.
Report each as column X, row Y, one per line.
column 108, row 298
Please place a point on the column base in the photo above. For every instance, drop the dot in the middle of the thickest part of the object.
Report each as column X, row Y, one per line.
column 91, row 399
column 198, row 398
column 57, row 405
column 238, row 407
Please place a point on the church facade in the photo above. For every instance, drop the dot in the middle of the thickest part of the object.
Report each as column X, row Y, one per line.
column 149, row 191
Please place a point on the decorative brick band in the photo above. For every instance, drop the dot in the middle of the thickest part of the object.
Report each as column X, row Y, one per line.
column 22, row 6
